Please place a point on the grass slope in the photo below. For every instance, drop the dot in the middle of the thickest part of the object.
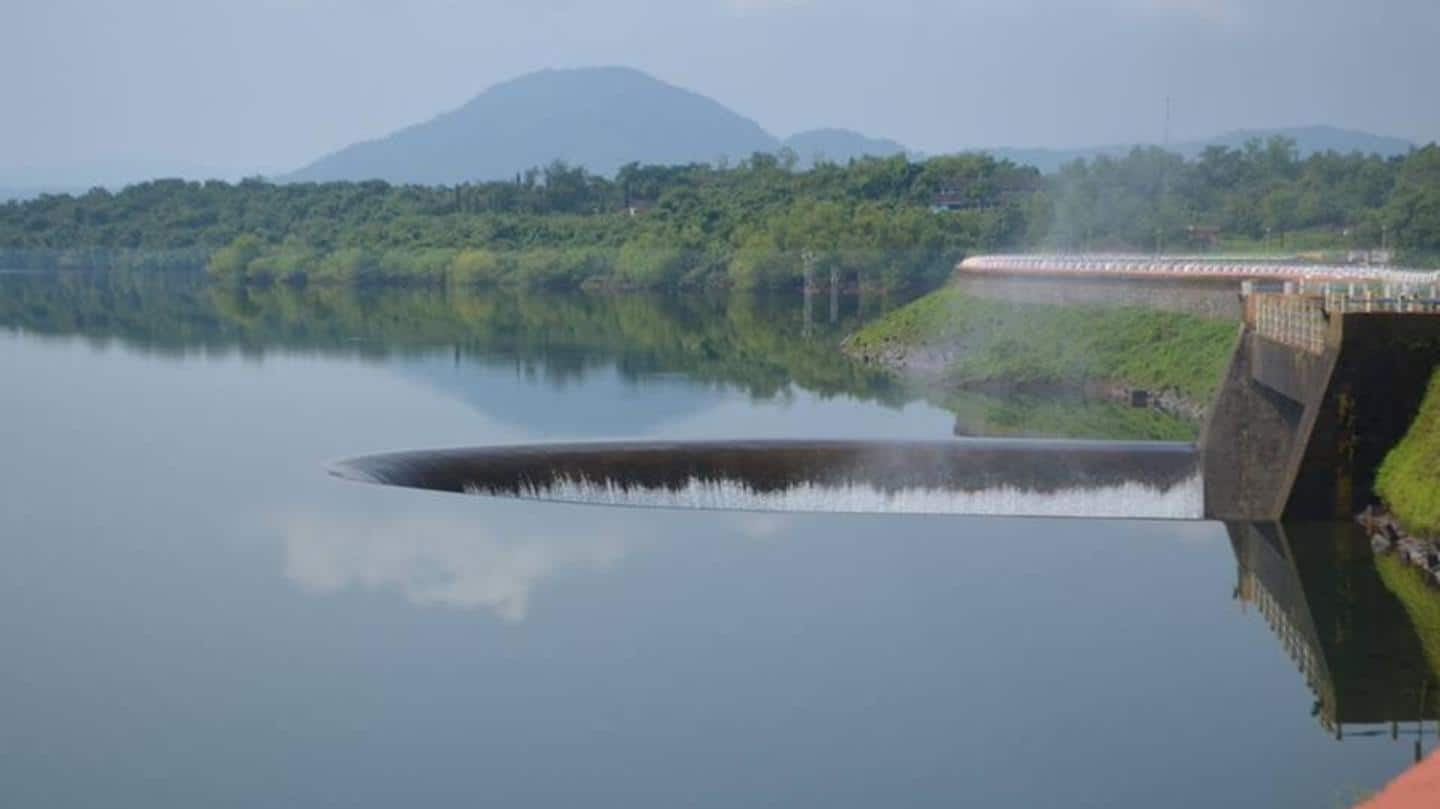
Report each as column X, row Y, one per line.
column 1409, row 586
column 1063, row 417
column 1070, row 345
column 1409, row 479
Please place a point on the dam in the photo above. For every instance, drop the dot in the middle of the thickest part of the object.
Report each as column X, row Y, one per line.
column 1279, row 655
column 1323, row 382
column 1328, row 368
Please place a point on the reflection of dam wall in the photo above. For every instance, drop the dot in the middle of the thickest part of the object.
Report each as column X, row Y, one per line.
column 1312, row 401
column 1317, row 587
column 1212, row 299
column 1267, row 579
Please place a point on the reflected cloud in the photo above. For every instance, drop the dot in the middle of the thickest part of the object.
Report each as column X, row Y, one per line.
column 762, row 526
column 450, row 563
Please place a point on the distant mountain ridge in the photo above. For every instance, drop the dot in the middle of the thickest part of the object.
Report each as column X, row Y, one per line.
column 1309, row 140
column 599, row 118
column 603, row 118
column 8, row 194
column 839, row 146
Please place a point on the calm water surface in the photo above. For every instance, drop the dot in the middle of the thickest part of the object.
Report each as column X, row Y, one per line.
column 193, row 613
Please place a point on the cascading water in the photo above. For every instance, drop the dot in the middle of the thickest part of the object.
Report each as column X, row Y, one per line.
column 980, row 477
column 1182, row 501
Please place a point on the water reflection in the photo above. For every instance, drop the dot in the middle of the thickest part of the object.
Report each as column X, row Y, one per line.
column 1347, row 622
column 756, row 342
column 1353, row 627
column 761, row 345
column 369, row 650
column 452, row 563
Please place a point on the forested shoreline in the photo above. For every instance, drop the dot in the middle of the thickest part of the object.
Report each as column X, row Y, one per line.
column 881, row 223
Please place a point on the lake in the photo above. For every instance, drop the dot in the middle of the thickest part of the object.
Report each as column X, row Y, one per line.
column 193, row 612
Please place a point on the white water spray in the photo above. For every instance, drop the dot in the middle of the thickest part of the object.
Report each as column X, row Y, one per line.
column 1183, row 501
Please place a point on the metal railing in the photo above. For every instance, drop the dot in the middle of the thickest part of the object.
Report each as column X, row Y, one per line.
column 1190, row 268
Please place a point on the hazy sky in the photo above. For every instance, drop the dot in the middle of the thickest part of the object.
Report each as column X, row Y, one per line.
column 267, row 85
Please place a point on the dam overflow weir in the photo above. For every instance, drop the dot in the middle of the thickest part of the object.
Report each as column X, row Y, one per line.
column 977, row 476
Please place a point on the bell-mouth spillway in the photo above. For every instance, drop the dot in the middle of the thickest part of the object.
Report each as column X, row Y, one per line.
column 1013, row 477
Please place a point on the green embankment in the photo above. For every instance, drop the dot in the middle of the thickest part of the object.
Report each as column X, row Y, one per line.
column 1409, row 479
column 1063, row 417
column 1418, row 598
column 1034, row 344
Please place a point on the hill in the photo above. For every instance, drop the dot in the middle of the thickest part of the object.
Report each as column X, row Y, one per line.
column 1309, row 139
column 839, row 146
column 11, row 194
column 599, row 118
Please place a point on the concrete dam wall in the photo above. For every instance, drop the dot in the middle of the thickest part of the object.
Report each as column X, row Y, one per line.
column 1312, row 401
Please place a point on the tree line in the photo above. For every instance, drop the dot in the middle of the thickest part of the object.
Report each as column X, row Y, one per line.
column 877, row 222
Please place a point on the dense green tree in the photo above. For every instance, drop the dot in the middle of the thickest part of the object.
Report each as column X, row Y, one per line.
column 1413, row 213
column 879, row 221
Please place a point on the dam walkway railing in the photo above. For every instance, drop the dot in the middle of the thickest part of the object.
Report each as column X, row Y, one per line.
column 1189, row 268
column 1299, row 314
